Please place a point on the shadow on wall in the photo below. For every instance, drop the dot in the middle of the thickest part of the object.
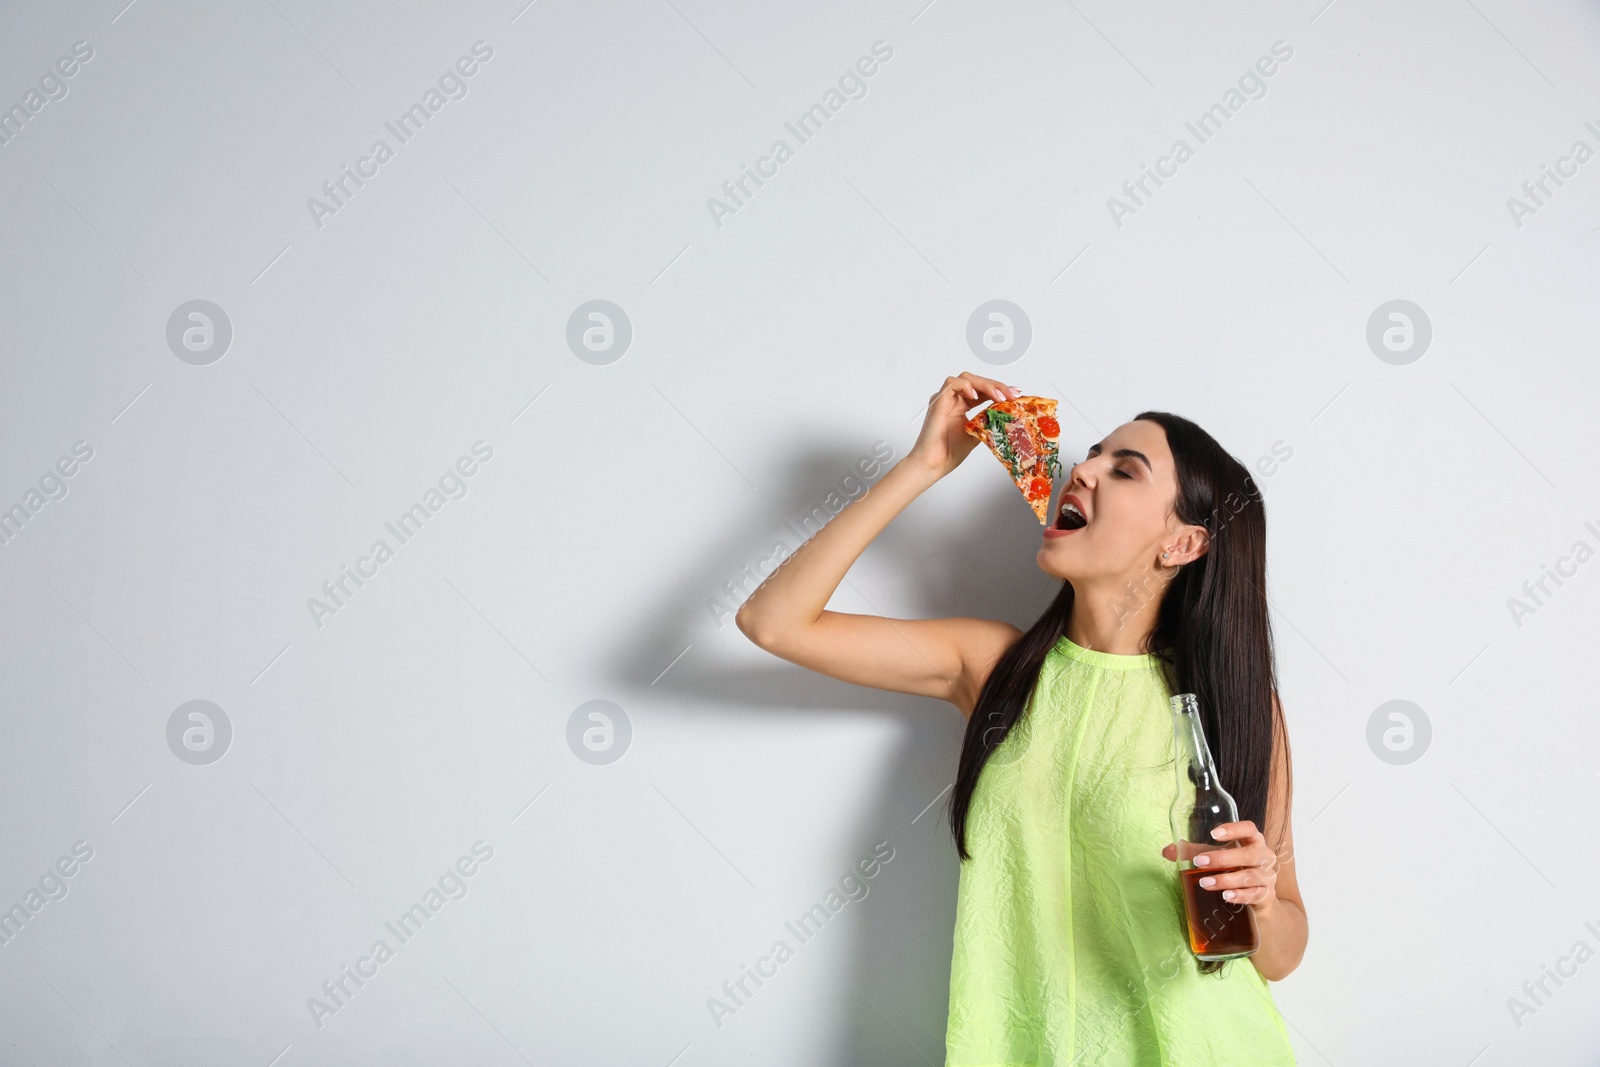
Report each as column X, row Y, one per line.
column 981, row 564
column 893, row 1008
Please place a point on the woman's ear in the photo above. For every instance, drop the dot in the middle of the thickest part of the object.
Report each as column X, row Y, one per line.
column 1189, row 544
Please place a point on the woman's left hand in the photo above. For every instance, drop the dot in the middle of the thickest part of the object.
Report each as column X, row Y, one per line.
column 1247, row 873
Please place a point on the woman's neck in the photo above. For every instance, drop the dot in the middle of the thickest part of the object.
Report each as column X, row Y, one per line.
column 1118, row 622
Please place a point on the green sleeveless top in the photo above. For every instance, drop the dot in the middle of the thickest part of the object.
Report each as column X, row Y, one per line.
column 1070, row 947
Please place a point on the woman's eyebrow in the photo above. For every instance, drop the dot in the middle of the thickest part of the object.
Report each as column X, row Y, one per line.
column 1124, row 453
column 1128, row 453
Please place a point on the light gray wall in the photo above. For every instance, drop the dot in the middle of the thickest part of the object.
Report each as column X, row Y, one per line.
column 442, row 704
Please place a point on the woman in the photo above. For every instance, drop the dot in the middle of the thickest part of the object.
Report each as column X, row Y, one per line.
column 1070, row 944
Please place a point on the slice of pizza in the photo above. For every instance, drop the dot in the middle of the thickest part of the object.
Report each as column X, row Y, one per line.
column 1023, row 434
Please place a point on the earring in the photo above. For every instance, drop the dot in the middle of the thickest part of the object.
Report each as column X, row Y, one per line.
column 1163, row 555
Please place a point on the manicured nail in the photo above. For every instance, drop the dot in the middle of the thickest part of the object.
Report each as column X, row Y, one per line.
column 1227, row 894
column 1208, row 882
column 1201, row 861
column 1219, row 833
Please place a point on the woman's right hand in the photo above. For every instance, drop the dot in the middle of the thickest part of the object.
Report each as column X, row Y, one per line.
column 944, row 441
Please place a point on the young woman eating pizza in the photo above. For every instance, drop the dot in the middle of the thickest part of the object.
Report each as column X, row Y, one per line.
column 1070, row 944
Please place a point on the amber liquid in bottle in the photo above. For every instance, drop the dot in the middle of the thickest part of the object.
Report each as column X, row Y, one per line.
column 1218, row 929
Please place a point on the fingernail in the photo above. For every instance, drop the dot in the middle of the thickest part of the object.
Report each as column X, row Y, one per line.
column 1202, row 861
column 1227, row 894
column 1208, row 882
column 1219, row 833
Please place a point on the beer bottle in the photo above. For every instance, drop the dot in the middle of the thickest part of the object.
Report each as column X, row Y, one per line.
column 1218, row 929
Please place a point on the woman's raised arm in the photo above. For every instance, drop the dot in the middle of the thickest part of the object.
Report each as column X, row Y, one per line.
column 945, row 658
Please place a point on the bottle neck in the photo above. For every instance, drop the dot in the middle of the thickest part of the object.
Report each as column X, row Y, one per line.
column 1190, row 734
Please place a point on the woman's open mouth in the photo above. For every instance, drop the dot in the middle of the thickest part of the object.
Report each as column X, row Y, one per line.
column 1070, row 517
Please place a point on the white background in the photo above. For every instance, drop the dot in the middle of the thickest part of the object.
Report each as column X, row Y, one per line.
column 768, row 355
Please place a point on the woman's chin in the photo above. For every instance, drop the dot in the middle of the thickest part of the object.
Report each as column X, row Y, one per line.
column 1051, row 562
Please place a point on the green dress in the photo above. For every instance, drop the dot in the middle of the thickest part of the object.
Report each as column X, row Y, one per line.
column 1070, row 947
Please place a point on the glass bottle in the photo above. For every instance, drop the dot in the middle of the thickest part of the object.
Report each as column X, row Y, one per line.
column 1218, row 929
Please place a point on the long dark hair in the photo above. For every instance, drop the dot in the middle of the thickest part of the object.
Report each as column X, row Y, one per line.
column 1212, row 635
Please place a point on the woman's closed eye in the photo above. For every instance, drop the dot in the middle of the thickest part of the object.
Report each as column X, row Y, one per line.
column 1120, row 473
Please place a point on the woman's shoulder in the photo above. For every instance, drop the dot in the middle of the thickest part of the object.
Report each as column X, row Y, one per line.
column 984, row 641
column 980, row 644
